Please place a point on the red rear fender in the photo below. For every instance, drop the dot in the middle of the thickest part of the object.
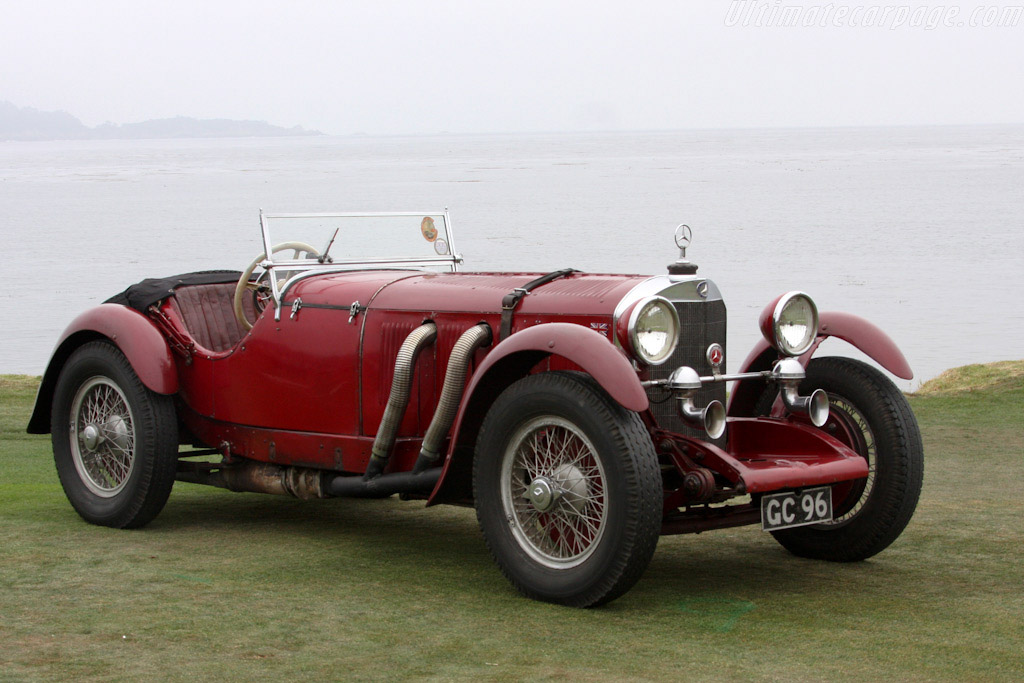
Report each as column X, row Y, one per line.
column 133, row 333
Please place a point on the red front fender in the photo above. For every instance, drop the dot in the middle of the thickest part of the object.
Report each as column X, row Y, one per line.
column 584, row 347
column 862, row 333
column 133, row 333
column 514, row 358
column 866, row 336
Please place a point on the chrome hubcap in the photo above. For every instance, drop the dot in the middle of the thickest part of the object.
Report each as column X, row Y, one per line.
column 542, row 494
column 91, row 437
column 571, row 481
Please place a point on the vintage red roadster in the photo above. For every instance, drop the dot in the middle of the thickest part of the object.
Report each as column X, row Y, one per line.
column 583, row 415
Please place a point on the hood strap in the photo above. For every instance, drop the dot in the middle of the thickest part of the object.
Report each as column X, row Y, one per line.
column 511, row 300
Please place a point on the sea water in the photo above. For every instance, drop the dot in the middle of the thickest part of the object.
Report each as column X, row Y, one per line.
column 918, row 229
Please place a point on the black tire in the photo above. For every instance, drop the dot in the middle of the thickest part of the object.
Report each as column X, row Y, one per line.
column 869, row 414
column 115, row 442
column 590, row 543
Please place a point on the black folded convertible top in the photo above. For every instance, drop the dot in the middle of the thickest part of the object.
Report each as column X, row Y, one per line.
column 142, row 295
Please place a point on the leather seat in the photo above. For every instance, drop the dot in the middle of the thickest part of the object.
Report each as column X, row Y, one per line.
column 208, row 314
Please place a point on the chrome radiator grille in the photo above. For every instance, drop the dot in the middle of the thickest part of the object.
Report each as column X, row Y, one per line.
column 701, row 323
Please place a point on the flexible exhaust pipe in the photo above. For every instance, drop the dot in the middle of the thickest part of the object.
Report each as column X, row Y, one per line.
column 451, row 394
column 401, row 386
column 423, row 477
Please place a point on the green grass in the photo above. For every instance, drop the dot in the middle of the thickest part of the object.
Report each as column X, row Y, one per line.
column 995, row 378
column 243, row 586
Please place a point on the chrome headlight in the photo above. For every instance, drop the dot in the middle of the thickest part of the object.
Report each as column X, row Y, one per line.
column 790, row 323
column 653, row 330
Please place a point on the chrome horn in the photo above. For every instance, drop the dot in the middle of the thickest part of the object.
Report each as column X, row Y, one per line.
column 788, row 373
column 685, row 382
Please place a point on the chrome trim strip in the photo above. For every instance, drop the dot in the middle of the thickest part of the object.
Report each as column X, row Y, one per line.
column 672, row 287
column 333, row 271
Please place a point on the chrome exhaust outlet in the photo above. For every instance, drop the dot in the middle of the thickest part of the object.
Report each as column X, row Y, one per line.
column 685, row 382
column 788, row 373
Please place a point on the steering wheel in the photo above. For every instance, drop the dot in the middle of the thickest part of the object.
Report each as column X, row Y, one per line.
column 245, row 285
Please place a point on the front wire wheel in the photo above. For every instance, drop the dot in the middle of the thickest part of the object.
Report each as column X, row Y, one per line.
column 552, row 487
column 568, row 490
column 872, row 417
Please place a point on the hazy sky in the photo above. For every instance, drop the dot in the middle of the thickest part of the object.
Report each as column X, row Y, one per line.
column 399, row 66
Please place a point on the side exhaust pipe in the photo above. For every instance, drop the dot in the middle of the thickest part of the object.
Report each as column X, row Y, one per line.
column 423, row 476
column 384, row 485
column 451, row 394
column 260, row 477
column 308, row 484
column 398, row 400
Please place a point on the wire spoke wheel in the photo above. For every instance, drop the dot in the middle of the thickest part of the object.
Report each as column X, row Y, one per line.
column 102, row 436
column 115, row 442
column 553, row 488
column 567, row 490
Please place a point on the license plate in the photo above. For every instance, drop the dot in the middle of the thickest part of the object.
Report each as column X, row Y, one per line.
column 796, row 508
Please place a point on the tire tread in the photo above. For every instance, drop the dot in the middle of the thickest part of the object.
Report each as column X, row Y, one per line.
column 156, row 428
column 642, row 485
column 897, row 485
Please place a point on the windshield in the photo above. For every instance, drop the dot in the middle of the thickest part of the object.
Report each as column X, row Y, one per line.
column 296, row 242
column 358, row 240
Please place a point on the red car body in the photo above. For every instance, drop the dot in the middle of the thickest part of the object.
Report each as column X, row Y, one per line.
column 297, row 402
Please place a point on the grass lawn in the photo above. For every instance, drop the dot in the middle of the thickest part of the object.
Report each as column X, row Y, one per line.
column 244, row 586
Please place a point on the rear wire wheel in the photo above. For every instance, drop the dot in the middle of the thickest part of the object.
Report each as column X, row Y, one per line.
column 568, row 490
column 115, row 442
column 869, row 414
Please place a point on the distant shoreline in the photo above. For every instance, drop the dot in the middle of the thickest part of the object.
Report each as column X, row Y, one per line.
column 25, row 124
